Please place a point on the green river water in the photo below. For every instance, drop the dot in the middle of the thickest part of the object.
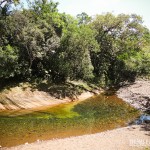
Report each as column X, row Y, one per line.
column 93, row 115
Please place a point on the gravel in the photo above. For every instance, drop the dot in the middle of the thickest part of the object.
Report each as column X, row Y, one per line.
column 137, row 94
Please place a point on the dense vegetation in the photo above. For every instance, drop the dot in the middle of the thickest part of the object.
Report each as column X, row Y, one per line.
column 40, row 42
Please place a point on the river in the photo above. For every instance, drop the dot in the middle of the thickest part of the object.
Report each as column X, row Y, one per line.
column 96, row 114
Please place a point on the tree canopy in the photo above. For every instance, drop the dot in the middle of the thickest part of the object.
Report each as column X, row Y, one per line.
column 40, row 42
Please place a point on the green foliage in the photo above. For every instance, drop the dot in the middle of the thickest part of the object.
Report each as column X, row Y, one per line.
column 74, row 53
column 8, row 61
column 119, row 37
column 35, row 37
column 40, row 42
column 83, row 18
column 140, row 62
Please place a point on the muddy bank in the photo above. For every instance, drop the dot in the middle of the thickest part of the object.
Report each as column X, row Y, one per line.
column 127, row 138
column 137, row 94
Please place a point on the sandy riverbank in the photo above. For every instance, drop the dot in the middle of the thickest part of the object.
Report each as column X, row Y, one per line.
column 18, row 98
column 127, row 138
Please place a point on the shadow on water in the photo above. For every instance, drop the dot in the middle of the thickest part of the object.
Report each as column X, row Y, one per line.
column 96, row 114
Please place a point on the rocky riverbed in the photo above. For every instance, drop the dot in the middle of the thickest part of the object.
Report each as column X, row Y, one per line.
column 137, row 94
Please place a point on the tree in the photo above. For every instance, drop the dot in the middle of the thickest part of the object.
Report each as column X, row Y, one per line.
column 74, row 53
column 8, row 61
column 41, row 42
column 83, row 18
column 35, row 37
column 119, row 37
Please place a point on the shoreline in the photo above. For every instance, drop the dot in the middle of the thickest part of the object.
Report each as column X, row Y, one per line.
column 19, row 99
column 133, row 137
column 81, row 97
column 136, row 94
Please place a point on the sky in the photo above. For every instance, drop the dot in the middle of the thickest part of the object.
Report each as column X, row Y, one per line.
column 93, row 7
